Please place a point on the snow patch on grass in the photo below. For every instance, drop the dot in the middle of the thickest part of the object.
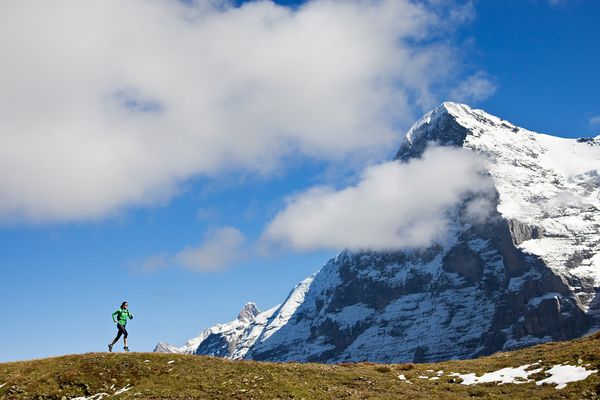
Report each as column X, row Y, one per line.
column 559, row 374
column 122, row 390
column 100, row 396
column 563, row 374
column 505, row 375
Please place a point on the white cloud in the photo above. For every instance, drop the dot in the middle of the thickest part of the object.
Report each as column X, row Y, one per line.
column 393, row 206
column 219, row 249
column 474, row 88
column 108, row 104
column 594, row 121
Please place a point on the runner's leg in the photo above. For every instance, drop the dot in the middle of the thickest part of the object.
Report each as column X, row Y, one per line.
column 125, row 336
column 119, row 333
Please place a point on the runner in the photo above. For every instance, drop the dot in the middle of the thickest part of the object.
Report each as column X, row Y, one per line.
column 120, row 317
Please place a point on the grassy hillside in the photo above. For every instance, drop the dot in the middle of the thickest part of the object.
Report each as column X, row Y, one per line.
column 167, row 376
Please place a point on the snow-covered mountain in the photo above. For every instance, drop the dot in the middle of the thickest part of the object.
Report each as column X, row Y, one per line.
column 233, row 339
column 230, row 340
column 527, row 274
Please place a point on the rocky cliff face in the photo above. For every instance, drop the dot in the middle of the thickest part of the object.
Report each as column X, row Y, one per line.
column 526, row 274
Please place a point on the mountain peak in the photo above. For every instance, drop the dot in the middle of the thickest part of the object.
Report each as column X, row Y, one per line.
column 452, row 107
column 449, row 124
column 446, row 108
column 442, row 124
column 248, row 312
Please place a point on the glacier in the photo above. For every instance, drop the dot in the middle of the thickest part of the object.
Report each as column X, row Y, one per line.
column 527, row 274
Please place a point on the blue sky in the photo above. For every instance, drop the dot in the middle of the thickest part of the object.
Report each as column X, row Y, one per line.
column 65, row 267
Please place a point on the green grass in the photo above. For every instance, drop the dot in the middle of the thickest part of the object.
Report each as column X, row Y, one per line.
column 151, row 376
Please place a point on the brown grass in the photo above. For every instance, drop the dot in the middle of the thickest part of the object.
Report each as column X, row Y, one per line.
column 151, row 376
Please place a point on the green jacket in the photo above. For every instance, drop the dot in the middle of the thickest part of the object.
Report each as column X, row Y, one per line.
column 121, row 316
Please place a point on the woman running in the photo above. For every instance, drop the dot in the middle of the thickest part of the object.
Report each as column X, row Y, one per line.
column 120, row 317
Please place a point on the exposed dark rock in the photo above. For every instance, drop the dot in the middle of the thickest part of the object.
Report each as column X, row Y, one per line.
column 215, row 345
column 521, row 232
column 248, row 313
column 445, row 131
column 465, row 262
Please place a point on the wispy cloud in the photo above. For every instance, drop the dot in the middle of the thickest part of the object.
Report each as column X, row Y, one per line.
column 594, row 121
column 560, row 2
column 109, row 104
column 393, row 206
column 219, row 249
column 474, row 88
column 151, row 263
column 207, row 213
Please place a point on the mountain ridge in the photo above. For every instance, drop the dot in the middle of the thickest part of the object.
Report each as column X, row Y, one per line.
column 527, row 275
